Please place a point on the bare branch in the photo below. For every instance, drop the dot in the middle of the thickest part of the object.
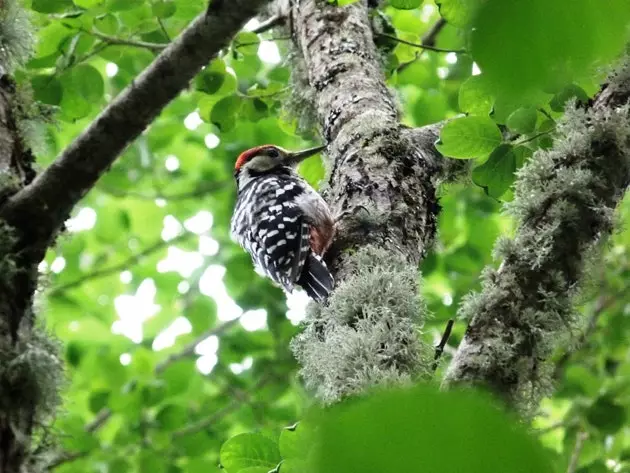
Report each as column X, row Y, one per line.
column 428, row 47
column 270, row 23
column 429, row 38
column 189, row 350
column 439, row 349
column 132, row 260
column 39, row 209
column 577, row 450
column 113, row 40
column 186, row 352
column 238, row 401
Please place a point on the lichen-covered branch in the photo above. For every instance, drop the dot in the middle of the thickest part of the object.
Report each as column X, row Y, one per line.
column 38, row 210
column 381, row 185
column 33, row 210
column 565, row 198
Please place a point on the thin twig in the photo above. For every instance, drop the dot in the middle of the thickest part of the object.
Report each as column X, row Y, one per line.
column 98, row 421
column 577, row 450
column 421, row 45
column 212, row 419
column 163, row 28
column 65, row 457
column 254, row 43
column 208, row 421
column 269, row 23
column 189, row 350
column 132, row 260
column 113, row 40
column 602, row 304
column 564, row 423
column 429, row 38
column 439, row 349
column 545, row 113
column 532, row 138
column 200, row 192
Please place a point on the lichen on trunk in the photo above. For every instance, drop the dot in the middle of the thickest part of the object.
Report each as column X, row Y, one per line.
column 381, row 185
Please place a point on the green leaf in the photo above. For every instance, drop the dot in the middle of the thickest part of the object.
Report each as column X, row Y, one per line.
column 164, row 9
column 458, row 12
column 224, row 112
column 121, row 5
column 247, row 42
column 47, row 89
column 423, row 429
column 172, row 416
column 469, row 137
column 295, row 442
column 523, row 120
column 88, row 82
column 496, row 175
column 119, row 465
column 149, row 462
column 606, row 415
column 559, row 101
column 88, row 3
column 51, row 6
column 293, row 465
column 98, row 400
column 210, row 81
column 249, row 450
column 342, row 3
column 153, row 393
column 475, row 96
column 405, row 4
column 547, row 46
column 50, row 39
column 107, row 24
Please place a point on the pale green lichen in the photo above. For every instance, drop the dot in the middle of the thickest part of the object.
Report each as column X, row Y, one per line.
column 17, row 37
column 564, row 203
column 300, row 105
column 369, row 333
column 31, row 119
column 31, row 374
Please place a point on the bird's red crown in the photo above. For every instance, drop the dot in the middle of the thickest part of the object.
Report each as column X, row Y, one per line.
column 249, row 154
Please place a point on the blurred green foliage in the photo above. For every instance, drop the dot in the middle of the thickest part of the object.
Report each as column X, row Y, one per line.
column 147, row 269
column 415, row 429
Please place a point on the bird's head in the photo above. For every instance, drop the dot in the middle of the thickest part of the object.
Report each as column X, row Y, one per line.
column 267, row 158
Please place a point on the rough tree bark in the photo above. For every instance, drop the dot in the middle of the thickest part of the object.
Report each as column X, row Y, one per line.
column 565, row 198
column 376, row 165
column 382, row 185
column 32, row 211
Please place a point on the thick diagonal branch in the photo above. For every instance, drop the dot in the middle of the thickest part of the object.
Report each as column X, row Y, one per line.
column 381, row 185
column 38, row 210
column 564, row 202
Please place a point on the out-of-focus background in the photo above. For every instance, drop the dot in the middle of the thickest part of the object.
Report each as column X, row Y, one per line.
column 173, row 342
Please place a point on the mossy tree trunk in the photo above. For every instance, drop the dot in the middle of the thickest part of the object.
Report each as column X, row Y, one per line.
column 381, row 184
column 381, row 181
column 33, row 208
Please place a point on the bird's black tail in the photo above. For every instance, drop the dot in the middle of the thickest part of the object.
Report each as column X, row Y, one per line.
column 315, row 279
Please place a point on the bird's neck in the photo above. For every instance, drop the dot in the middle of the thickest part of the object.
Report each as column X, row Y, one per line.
column 249, row 176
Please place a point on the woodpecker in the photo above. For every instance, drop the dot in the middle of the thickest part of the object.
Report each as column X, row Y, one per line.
column 281, row 221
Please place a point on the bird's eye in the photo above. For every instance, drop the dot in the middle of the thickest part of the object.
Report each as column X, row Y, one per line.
column 273, row 153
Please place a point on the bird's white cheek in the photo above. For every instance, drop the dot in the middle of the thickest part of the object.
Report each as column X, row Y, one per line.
column 261, row 163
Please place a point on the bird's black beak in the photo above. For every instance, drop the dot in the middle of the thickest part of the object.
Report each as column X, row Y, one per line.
column 297, row 157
